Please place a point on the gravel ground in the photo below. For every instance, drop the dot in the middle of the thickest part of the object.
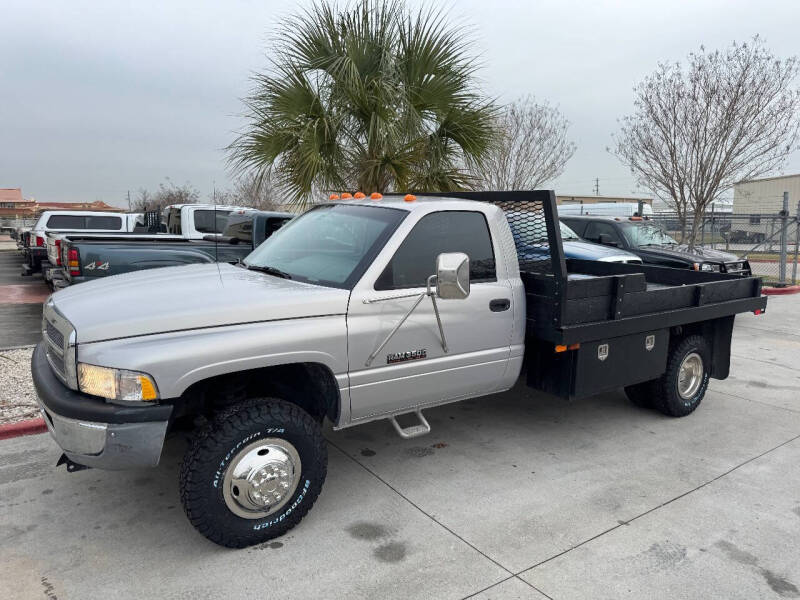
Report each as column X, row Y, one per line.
column 17, row 397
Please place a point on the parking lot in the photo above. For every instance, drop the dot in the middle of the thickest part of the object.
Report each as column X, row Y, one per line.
column 20, row 300
column 513, row 496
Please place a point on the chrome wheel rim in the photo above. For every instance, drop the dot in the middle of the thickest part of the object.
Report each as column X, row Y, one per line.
column 690, row 375
column 261, row 478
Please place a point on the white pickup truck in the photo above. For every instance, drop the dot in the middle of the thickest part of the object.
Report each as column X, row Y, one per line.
column 37, row 250
column 356, row 311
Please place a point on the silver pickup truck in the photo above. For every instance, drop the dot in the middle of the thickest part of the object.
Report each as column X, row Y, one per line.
column 355, row 311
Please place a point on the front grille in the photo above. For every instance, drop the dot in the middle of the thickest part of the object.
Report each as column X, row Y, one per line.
column 56, row 337
column 57, row 334
column 57, row 362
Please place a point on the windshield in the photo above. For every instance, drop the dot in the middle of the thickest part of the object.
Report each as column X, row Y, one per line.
column 329, row 245
column 645, row 234
column 567, row 233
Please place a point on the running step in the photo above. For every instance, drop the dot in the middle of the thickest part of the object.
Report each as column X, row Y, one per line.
column 414, row 430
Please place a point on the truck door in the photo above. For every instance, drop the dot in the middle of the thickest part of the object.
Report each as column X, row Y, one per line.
column 413, row 369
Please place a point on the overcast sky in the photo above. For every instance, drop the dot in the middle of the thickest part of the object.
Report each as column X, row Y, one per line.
column 102, row 97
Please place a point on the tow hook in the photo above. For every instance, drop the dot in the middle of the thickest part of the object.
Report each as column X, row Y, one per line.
column 72, row 466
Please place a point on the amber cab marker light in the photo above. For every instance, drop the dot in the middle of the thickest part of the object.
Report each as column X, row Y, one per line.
column 375, row 196
column 333, row 197
column 573, row 346
column 561, row 348
column 359, row 195
column 346, row 196
column 409, row 197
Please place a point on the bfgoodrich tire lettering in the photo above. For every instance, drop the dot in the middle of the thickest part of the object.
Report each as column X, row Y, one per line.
column 217, row 444
column 667, row 398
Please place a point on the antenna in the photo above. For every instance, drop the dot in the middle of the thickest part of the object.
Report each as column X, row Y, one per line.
column 216, row 234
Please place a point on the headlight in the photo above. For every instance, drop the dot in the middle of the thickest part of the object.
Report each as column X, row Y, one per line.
column 116, row 384
column 709, row 267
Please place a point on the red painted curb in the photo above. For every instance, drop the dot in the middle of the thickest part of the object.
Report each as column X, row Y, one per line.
column 29, row 427
column 781, row 291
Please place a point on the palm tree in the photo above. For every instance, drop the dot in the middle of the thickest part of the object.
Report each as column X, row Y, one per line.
column 371, row 98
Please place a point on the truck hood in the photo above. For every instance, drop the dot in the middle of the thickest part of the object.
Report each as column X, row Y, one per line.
column 576, row 249
column 189, row 297
column 696, row 255
column 591, row 251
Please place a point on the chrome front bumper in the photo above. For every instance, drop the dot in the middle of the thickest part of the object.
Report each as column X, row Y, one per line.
column 107, row 445
column 93, row 432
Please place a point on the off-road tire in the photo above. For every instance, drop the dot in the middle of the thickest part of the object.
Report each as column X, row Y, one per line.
column 641, row 394
column 666, row 397
column 214, row 446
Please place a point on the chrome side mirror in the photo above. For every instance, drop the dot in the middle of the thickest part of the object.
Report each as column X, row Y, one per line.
column 452, row 276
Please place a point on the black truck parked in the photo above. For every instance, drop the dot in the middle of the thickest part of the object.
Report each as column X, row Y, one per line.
column 87, row 257
column 644, row 238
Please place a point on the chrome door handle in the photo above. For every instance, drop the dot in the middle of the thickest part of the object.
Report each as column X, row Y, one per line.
column 499, row 304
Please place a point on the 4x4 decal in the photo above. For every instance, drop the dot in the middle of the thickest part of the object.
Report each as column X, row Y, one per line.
column 100, row 266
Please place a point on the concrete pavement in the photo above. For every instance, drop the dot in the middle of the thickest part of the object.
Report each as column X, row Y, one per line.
column 514, row 496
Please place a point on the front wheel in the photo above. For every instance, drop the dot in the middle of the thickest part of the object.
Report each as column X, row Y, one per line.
column 681, row 388
column 253, row 472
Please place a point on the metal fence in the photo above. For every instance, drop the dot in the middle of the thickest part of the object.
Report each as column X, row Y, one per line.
column 769, row 240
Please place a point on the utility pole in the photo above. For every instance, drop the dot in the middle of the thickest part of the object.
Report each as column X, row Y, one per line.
column 784, row 222
column 796, row 243
column 597, row 186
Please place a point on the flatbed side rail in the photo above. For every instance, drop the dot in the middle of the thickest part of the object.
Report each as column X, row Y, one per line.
column 574, row 334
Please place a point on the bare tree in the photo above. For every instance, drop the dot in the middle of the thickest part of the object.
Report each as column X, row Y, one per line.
column 729, row 116
column 168, row 193
column 253, row 190
column 142, row 201
column 530, row 148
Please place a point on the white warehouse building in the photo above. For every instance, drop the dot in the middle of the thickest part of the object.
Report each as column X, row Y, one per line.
column 757, row 203
column 765, row 196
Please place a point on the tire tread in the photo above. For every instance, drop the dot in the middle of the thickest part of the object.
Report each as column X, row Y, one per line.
column 223, row 429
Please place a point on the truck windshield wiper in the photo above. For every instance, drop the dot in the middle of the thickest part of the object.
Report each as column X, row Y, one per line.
column 269, row 271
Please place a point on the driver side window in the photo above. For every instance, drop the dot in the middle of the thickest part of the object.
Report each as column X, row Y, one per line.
column 595, row 230
column 446, row 231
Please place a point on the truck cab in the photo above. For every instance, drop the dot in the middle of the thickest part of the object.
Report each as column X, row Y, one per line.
column 194, row 221
column 37, row 251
